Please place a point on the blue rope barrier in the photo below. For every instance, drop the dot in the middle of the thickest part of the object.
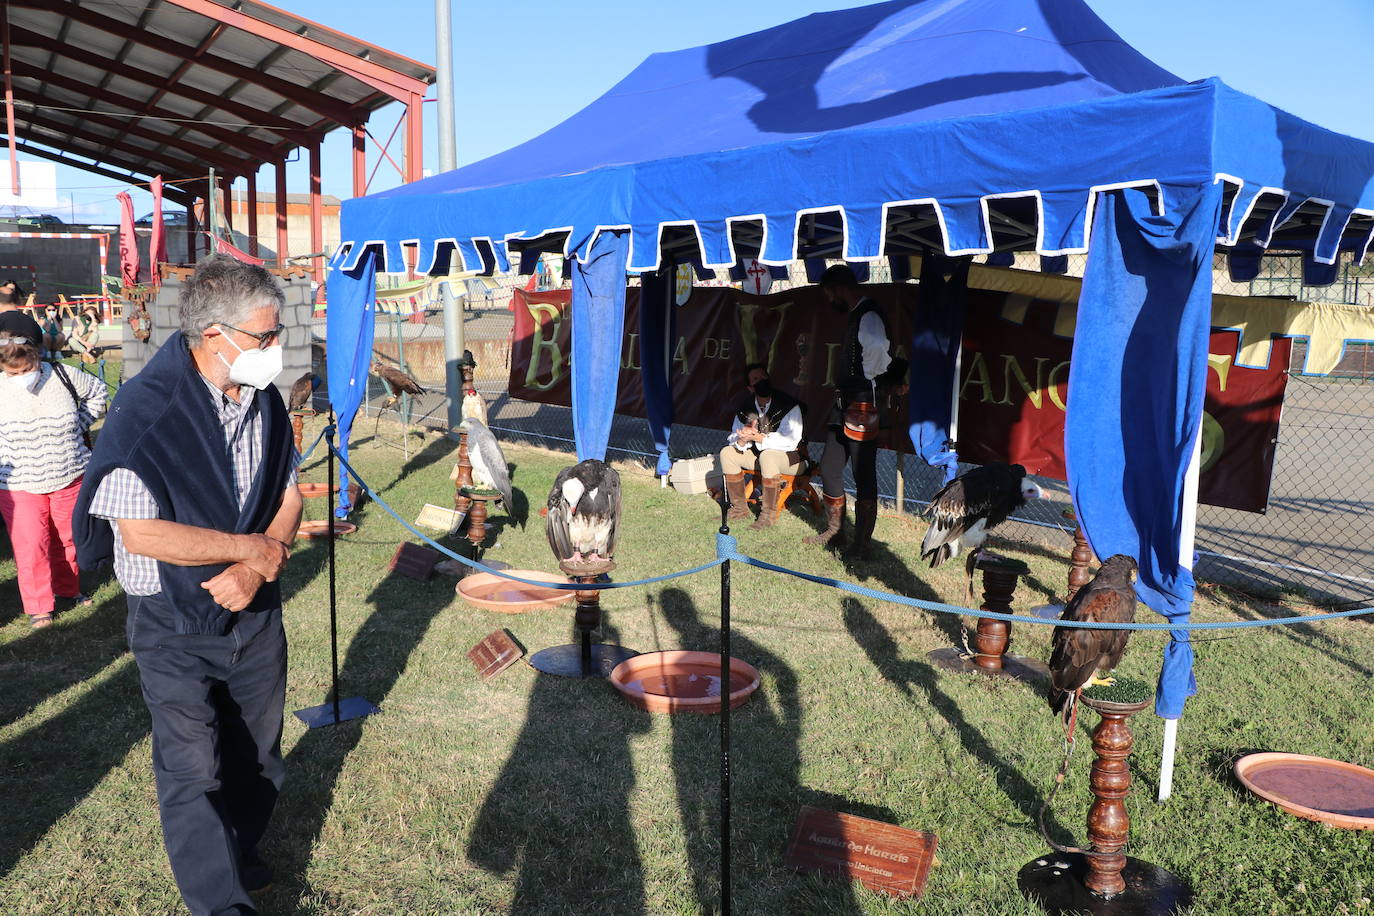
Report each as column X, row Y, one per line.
column 564, row 586
column 310, row 451
column 726, row 549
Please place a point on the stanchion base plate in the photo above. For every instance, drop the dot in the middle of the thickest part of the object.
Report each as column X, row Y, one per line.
column 1048, row 611
column 1019, row 667
column 1055, row 881
column 566, row 660
column 349, row 708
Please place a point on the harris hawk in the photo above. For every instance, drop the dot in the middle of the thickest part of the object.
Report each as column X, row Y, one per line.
column 964, row 510
column 1078, row 653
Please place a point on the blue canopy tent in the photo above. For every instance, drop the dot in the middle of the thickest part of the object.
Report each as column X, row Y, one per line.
column 959, row 127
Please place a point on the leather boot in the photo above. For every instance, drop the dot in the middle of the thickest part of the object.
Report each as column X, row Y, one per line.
column 834, row 517
column 734, row 492
column 768, row 514
column 865, row 517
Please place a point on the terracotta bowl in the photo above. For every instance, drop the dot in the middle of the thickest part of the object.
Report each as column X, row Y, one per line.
column 313, row 490
column 495, row 593
column 1316, row 788
column 319, row 528
column 679, row 681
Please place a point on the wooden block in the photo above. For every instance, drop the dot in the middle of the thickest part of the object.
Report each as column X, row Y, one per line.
column 883, row 857
column 494, row 654
column 414, row 560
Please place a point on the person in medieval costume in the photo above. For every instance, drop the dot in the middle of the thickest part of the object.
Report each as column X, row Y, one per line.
column 765, row 437
column 864, row 371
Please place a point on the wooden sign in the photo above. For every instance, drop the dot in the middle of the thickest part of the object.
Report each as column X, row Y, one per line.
column 494, row 654
column 883, row 857
column 414, row 560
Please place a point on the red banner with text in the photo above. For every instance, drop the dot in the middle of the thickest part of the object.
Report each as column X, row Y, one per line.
column 1013, row 377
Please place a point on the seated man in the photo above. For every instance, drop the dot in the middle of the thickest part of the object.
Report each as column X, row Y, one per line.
column 767, row 432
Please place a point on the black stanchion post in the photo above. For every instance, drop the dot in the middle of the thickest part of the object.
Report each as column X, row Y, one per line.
column 335, row 711
column 724, row 724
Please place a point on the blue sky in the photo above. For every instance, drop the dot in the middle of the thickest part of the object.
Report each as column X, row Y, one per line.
column 522, row 68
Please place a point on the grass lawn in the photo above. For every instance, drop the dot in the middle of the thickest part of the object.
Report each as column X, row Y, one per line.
column 533, row 794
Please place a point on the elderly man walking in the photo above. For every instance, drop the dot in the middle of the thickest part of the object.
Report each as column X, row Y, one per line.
column 192, row 493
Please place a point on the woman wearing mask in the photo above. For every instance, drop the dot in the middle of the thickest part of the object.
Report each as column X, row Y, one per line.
column 53, row 338
column 45, row 411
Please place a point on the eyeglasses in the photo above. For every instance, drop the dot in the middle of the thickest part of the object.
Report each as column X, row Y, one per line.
column 263, row 337
column 6, row 341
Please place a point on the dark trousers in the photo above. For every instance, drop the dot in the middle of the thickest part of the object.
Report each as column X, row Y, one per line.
column 216, row 704
column 863, row 459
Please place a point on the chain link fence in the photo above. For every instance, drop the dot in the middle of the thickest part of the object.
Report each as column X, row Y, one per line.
column 1313, row 544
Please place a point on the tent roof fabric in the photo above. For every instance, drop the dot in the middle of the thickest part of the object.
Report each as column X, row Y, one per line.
column 963, row 125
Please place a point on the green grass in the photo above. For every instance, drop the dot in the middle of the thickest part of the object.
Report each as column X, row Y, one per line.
column 532, row 794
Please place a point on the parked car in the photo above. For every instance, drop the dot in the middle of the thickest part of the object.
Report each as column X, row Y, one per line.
column 169, row 218
column 42, row 219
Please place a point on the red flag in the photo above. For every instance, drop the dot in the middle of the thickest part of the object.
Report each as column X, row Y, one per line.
column 223, row 247
column 128, row 242
column 157, row 246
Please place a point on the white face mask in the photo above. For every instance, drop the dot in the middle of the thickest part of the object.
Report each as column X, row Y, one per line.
column 27, row 381
column 256, row 368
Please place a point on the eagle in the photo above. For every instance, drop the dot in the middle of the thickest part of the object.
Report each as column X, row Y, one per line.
column 488, row 461
column 964, row 510
column 397, row 382
column 302, row 391
column 584, row 512
column 1079, row 653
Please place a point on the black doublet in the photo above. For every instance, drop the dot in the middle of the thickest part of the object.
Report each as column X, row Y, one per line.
column 779, row 407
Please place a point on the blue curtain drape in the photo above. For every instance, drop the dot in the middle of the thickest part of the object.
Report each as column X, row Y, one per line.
column 349, row 328
column 1136, row 389
column 657, row 321
column 598, row 325
column 936, row 331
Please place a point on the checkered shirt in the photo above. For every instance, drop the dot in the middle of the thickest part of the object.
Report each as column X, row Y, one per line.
column 123, row 495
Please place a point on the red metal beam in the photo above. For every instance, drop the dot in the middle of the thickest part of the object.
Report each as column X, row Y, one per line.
column 169, row 192
column 150, row 162
column 415, row 138
column 319, row 104
column 252, row 201
column 316, row 213
column 359, row 161
column 379, row 77
column 282, row 238
column 288, row 130
column 255, row 148
column 210, row 155
column 117, row 142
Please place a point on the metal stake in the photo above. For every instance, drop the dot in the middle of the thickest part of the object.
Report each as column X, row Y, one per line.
column 724, row 723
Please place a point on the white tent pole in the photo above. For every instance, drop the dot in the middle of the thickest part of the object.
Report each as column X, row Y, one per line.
column 1186, row 540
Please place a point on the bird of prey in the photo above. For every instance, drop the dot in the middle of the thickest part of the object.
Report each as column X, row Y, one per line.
column 488, row 462
column 969, row 506
column 474, row 405
column 1078, row 653
column 584, row 512
column 396, row 381
column 302, row 390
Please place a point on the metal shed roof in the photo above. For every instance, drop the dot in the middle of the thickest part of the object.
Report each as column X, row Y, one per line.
column 174, row 87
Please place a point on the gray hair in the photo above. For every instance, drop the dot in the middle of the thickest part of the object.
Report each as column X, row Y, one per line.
column 224, row 290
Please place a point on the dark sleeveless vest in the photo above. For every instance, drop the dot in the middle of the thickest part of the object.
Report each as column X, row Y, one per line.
column 779, row 407
column 163, row 427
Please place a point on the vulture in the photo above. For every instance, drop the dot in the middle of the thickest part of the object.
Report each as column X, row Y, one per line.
column 488, row 462
column 302, row 390
column 969, row 506
column 397, row 382
column 1078, row 653
column 584, row 512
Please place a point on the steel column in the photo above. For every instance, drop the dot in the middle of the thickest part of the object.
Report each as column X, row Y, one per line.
column 316, row 216
column 252, row 206
column 282, row 242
